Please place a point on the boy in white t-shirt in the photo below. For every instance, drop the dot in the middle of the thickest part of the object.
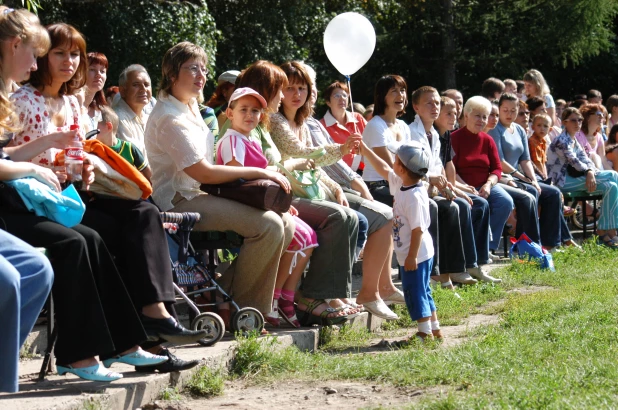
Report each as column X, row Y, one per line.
column 412, row 241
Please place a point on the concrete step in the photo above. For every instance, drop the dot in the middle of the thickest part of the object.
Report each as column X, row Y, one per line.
column 71, row 393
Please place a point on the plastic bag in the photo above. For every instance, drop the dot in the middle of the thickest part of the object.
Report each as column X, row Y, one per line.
column 532, row 251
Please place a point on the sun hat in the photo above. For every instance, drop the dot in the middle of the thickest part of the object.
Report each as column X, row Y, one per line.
column 244, row 91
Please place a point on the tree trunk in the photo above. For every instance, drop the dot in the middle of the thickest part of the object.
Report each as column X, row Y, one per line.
column 448, row 45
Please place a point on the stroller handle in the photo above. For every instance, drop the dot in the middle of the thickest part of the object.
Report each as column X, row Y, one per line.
column 179, row 218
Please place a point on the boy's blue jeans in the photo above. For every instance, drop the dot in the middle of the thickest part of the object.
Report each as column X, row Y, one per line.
column 417, row 291
column 26, row 278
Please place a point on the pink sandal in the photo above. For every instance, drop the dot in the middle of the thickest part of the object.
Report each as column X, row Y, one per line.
column 288, row 313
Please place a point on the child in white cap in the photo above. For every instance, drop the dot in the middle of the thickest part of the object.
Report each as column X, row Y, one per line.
column 236, row 148
column 412, row 241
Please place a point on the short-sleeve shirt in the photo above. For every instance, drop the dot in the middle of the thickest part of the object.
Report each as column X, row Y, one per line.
column 377, row 134
column 235, row 145
column 410, row 211
column 36, row 121
column 131, row 153
column 538, row 150
column 512, row 145
column 176, row 138
column 549, row 101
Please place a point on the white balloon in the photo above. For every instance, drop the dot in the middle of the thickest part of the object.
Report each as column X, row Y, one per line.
column 349, row 41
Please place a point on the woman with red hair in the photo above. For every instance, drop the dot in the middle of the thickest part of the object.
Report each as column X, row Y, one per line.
column 95, row 81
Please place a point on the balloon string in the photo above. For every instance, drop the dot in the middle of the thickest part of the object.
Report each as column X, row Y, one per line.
column 347, row 77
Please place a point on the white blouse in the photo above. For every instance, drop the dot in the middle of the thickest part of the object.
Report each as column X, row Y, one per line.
column 176, row 137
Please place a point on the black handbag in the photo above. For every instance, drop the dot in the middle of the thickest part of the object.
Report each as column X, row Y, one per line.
column 574, row 172
column 258, row 193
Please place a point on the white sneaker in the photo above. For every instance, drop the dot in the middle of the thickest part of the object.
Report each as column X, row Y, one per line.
column 379, row 309
column 493, row 257
column 463, row 278
column 483, row 276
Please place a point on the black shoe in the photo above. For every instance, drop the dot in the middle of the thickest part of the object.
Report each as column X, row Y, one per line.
column 174, row 364
column 170, row 330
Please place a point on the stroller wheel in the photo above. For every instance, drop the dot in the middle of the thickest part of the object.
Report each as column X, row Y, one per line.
column 213, row 324
column 247, row 319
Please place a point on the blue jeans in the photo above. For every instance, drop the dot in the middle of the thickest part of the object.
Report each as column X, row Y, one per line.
column 607, row 183
column 26, row 278
column 416, row 290
column 553, row 226
column 363, row 227
column 527, row 213
column 474, row 223
column 500, row 207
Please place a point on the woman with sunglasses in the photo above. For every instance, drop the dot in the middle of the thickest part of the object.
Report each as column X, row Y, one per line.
column 570, row 169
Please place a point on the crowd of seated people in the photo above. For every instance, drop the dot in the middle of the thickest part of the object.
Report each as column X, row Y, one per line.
column 498, row 159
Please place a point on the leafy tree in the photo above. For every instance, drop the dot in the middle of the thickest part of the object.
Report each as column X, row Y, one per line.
column 136, row 31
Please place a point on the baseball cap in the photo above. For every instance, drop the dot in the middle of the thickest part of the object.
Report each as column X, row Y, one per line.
column 229, row 76
column 413, row 156
column 244, row 91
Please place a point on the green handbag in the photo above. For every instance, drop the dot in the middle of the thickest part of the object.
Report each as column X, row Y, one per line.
column 304, row 183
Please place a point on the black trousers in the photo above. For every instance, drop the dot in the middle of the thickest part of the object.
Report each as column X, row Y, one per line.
column 135, row 236
column 445, row 230
column 94, row 312
column 450, row 255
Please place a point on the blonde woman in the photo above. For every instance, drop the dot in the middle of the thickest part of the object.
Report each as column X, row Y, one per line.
column 536, row 86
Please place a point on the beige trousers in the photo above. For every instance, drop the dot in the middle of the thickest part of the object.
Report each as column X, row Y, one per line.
column 250, row 279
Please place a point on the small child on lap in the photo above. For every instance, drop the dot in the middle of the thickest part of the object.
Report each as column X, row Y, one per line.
column 108, row 126
column 412, row 241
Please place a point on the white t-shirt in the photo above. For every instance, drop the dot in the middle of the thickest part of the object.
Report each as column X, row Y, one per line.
column 549, row 101
column 410, row 211
column 377, row 134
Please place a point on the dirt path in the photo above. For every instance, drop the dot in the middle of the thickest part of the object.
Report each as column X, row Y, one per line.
column 302, row 395
column 336, row 394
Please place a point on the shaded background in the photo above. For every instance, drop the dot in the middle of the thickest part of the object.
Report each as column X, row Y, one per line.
column 443, row 43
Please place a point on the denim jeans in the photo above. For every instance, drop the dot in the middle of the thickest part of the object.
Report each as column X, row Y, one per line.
column 500, row 207
column 26, row 278
column 527, row 213
column 551, row 219
column 607, row 182
column 474, row 223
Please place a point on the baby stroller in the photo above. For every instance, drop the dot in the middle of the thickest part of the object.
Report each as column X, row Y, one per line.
column 198, row 278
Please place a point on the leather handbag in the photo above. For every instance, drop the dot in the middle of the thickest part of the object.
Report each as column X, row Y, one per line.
column 574, row 172
column 258, row 193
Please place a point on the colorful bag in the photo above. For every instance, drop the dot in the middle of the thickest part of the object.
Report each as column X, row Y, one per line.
column 533, row 250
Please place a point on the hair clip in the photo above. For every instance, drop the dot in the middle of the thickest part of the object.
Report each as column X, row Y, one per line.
column 7, row 11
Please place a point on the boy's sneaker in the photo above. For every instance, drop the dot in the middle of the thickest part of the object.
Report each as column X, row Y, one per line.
column 483, row 276
column 463, row 278
column 423, row 336
column 437, row 334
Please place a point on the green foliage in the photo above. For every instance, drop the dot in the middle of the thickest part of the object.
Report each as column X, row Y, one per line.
column 137, row 31
column 204, row 383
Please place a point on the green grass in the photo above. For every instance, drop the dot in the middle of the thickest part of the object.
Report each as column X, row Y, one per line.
column 205, row 383
column 555, row 348
column 170, row 394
